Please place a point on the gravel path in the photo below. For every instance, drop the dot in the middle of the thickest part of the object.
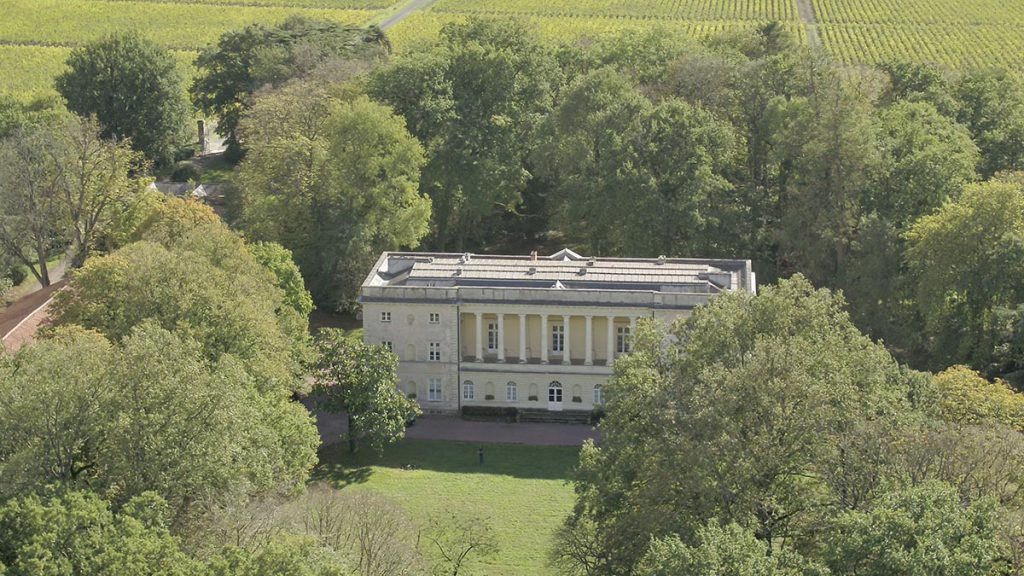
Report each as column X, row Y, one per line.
column 404, row 11
column 805, row 9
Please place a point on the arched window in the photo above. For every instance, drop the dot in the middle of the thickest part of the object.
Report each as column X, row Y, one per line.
column 555, row 392
column 511, row 392
column 598, row 395
column 468, row 390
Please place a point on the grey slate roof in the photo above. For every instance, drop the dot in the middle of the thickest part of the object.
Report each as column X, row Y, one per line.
column 562, row 270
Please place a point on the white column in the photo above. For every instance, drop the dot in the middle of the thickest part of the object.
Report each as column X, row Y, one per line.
column 545, row 339
column 501, row 337
column 566, row 356
column 479, row 336
column 589, row 352
column 522, row 338
column 611, row 341
column 632, row 331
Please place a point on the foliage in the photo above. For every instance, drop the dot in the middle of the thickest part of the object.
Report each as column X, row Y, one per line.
column 133, row 88
column 278, row 260
column 248, row 59
column 73, row 532
column 360, row 380
column 684, row 440
column 60, row 183
column 968, row 259
column 334, row 181
column 149, row 414
column 203, row 283
column 721, row 550
column 967, row 398
column 474, row 103
column 919, row 531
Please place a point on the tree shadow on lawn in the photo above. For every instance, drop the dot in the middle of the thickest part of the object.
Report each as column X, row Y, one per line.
column 516, row 460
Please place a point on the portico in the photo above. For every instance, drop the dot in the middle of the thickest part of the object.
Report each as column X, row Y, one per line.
column 581, row 339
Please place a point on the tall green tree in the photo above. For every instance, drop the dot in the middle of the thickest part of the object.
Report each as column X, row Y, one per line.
column 244, row 61
column 148, row 414
column 991, row 104
column 754, row 415
column 360, row 380
column 134, row 89
column 474, row 103
column 203, row 284
column 335, row 181
column 76, row 532
column 968, row 258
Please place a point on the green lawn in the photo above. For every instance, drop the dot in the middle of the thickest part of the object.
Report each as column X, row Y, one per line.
column 522, row 489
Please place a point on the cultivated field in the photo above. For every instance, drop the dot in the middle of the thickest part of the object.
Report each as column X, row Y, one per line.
column 522, row 490
column 35, row 35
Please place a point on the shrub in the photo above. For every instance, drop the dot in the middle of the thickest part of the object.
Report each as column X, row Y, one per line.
column 411, row 395
column 489, row 397
column 596, row 415
column 577, row 399
column 531, row 398
column 186, row 172
column 499, row 413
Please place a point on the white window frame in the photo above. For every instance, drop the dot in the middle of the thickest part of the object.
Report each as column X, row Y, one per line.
column 434, row 352
column 468, row 390
column 492, row 336
column 388, row 344
column 435, row 389
column 598, row 395
column 623, row 340
column 511, row 392
column 558, row 338
column 385, row 316
column 435, row 317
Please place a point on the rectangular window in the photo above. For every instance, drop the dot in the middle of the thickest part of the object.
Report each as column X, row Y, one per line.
column 434, row 352
column 558, row 338
column 387, row 344
column 435, row 318
column 492, row 336
column 385, row 316
column 511, row 392
column 468, row 391
column 622, row 340
column 598, row 396
column 434, row 389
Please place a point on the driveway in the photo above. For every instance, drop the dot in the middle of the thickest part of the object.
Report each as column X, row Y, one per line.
column 332, row 426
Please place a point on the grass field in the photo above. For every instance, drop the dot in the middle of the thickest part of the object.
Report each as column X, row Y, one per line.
column 522, row 489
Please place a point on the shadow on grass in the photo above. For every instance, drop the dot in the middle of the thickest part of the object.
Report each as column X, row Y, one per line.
column 341, row 468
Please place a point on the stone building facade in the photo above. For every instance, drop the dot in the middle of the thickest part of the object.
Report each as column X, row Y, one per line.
column 533, row 331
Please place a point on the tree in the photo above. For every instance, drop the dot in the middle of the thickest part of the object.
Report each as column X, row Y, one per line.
column 203, row 283
column 474, row 103
column 991, row 105
column 967, row 398
column 75, row 532
column 359, row 379
column 455, row 538
column 243, row 61
column 149, row 414
column 134, row 89
column 278, row 260
column 756, row 414
column 919, row 531
column 968, row 261
column 334, row 181
column 724, row 551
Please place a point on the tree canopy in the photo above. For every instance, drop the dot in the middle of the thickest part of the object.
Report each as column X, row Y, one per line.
column 134, row 89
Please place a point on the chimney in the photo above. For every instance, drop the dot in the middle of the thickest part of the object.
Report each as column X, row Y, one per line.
column 533, row 256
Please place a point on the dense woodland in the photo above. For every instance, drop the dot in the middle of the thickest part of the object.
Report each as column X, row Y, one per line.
column 869, row 385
